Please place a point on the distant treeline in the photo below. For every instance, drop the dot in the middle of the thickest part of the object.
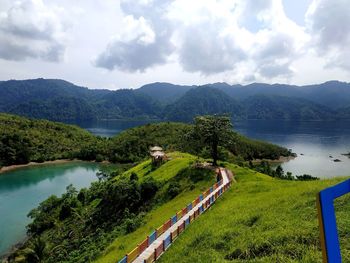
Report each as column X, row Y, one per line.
column 24, row 140
column 59, row 100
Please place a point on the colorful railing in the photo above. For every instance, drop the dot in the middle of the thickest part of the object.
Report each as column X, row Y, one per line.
column 130, row 257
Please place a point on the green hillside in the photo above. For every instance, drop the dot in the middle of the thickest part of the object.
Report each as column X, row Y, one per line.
column 174, row 169
column 23, row 140
column 261, row 219
column 114, row 214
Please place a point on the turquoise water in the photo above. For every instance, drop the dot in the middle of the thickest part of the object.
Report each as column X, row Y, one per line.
column 22, row 190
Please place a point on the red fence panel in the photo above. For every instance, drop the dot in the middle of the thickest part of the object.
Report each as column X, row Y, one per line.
column 184, row 211
column 158, row 251
column 167, row 225
column 181, row 227
column 143, row 245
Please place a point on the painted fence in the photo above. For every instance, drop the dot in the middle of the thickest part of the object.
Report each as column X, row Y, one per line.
column 130, row 257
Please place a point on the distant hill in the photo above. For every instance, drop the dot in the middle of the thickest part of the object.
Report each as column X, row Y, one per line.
column 201, row 101
column 285, row 108
column 165, row 93
column 60, row 100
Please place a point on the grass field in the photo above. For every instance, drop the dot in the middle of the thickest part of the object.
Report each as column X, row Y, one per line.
column 261, row 219
column 156, row 217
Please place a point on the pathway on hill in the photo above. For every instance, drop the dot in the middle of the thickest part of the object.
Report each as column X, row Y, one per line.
column 150, row 250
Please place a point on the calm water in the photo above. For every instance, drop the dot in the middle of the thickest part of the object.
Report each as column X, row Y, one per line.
column 109, row 128
column 22, row 190
column 315, row 140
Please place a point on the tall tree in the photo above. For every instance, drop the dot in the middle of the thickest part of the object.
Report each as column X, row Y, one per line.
column 213, row 131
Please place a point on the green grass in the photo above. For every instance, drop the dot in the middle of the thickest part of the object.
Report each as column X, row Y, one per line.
column 156, row 217
column 168, row 170
column 261, row 219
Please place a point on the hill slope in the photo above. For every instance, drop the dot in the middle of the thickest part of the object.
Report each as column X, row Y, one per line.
column 261, row 219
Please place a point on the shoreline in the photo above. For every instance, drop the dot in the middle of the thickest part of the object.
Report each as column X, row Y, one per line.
column 33, row 164
column 281, row 159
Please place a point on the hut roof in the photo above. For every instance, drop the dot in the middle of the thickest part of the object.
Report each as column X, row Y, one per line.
column 156, row 148
column 157, row 153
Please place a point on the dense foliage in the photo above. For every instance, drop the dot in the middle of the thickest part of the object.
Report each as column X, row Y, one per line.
column 203, row 101
column 23, row 140
column 60, row 100
column 77, row 226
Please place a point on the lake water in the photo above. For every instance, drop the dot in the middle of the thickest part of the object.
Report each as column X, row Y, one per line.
column 314, row 142
column 109, row 128
column 22, row 190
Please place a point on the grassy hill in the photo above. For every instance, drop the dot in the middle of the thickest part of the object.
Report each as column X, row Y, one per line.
column 261, row 219
column 171, row 170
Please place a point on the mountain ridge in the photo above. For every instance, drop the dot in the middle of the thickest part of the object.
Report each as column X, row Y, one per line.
column 60, row 100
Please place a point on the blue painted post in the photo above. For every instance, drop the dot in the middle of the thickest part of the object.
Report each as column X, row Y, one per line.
column 124, row 259
column 327, row 220
column 173, row 220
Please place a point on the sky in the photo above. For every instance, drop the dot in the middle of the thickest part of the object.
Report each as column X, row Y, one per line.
column 128, row 43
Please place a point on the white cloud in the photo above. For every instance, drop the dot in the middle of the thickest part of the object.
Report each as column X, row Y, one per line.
column 329, row 25
column 207, row 36
column 29, row 29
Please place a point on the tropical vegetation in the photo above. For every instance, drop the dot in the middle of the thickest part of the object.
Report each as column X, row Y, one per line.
column 59, row 100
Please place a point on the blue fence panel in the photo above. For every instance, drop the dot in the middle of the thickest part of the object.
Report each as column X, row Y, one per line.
column 123, row 260
column 167, row 241
column 211, row 189
column 187, row 221
column 201, row 209
column 152, row 237
column 189, row 207
column 201, row 198
column 173, row 219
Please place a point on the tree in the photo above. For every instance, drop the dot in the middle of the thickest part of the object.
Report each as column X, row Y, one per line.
column 212, row 131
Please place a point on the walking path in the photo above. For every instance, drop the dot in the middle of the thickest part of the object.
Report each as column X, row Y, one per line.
column 150, row 254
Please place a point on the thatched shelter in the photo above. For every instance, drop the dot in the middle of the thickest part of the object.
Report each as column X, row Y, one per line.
column 157, row 154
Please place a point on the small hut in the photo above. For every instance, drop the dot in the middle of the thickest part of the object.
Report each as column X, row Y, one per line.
column 157, row 154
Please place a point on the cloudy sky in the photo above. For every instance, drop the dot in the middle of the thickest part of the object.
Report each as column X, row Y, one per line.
column 125, row 44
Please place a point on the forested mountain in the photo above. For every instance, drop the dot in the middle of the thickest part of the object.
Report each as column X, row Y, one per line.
column 285, row 108
column 60, row 100
column 200, row 101
column 165, row 93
